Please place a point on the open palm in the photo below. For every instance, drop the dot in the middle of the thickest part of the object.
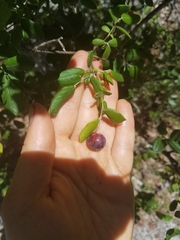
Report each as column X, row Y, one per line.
column 63, row 190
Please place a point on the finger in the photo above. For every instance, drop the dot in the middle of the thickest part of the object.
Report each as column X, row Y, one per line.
column 34, row 167
column 123, row 146
column 65, row 120
column 87, row 107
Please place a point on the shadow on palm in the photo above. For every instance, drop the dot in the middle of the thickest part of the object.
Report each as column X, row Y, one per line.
column 85, row 203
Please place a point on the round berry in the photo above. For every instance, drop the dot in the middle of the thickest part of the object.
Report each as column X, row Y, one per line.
column 96, row 141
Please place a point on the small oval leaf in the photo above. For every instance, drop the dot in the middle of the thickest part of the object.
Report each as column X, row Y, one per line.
column 115, row 116
column 18, row 63
column 108, row 78
column 158, row 145
column 123, row 31
column 175, row 135
column 130, row 18
column 177, row 214
column 117, row 76
column 98, row 42
column 106, row 64
column 88, row 129
column 70, row 77
column 107, row 52
column 106, row 29
column 164, row 217
column 118, row 10
column 90, row 58
column 106, row 92
column 174, row 145
column 133, row 71
column 149, row 3
column 113, row 42
column 60, row 98
column 33, row 29
column 114, row 18
column 96, row 84
column 132, row 55
column 171, row 233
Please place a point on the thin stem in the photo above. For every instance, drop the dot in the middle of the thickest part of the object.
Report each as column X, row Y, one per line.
column 56, row 52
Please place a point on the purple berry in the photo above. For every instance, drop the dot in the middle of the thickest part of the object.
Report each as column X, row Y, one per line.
column 96, row 141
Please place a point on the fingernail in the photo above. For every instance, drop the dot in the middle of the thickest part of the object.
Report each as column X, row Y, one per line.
column 31, row 112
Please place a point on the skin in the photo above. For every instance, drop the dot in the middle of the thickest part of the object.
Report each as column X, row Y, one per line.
column 63, row 190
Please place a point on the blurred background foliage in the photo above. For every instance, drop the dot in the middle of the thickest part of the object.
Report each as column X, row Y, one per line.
column 37, row 39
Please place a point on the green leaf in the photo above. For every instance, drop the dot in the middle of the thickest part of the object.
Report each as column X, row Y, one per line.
column 105, row 28
column 175, row 187
column 158, row 145
column 164, row 217
column 132, row 55
column 177, row 214
column 162, row 128
column 171, row 233
column 98, row 96
column 88, row 129
column 149, row 3
column 5, row 14
column 123, row 31
column 107, row 52
column 113, row 16
column 106, row 92
column 152, row 154
column 113, row 42
column 105, row 105
column 18, row 63
column 60, row 98
column 106, row 64
column 175, row 135
column 33, row 29
column 1, row 149
column 70, row 77
column 174, row 145
column 117, row 76
column 98, row 42
column 130, row 18
column 6, row 134
column 117, row 11
column 90, row 58
column 12, row 97
column 86, row 77
column 133, row 71
column 173, row 205
column 107, row 77
column 96, row 84
column 114, row 115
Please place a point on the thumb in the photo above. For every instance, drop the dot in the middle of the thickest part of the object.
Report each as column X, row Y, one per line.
column 33, row 171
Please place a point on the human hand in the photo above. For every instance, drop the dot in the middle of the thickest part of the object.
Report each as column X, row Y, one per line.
column 61, row 189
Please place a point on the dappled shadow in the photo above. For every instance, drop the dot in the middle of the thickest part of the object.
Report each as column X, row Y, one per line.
column 99, row 205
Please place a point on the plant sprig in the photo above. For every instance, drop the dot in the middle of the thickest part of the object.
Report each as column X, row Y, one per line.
column 69, row 80
column 99, row 79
